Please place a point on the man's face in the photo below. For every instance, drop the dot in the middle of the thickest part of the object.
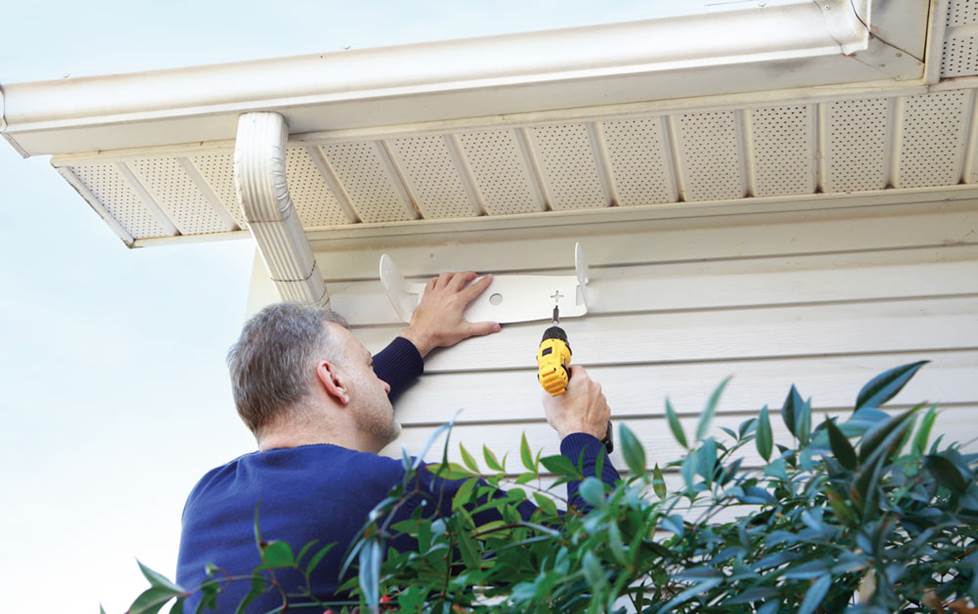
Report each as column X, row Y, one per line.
column 370, row 406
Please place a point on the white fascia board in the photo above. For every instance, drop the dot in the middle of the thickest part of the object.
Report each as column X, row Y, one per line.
column 792, row 43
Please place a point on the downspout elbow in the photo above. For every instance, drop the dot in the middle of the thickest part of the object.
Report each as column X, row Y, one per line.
column 263, row 194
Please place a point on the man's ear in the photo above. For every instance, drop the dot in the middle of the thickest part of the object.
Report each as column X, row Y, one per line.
column 332, row 383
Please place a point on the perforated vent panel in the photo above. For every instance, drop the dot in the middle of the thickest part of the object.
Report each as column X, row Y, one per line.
column 367, row 180
column 499, row 172
column 856, row 145
column 313, row 200
column 710, row 150
column 637, row 155
column 109, row 187
column 217, row 169
column 433, row 176
column 568, row 166
column 934, row 135
column 178, row 195
column 962, row 12
column 960, row 55
column 783, row 141
column 840, row 146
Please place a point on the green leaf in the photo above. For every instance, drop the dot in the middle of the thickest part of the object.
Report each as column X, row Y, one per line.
column 464, row 493
column 303, row 551
column 592, row 570
column 872, row 440
column 276, row 555
column 815, row 594
column 710, row 410
column 371, row 556
column 491, row 459
column 674, row 425
column 101, row 610
column 839, row 506
column 257, row 588
column 706, row 460
column 632, row 450
column 158, row 580
column 561, row 466
column 693, row 591
column 526, row 455
column 592, row 491
column 886, row 385
column 946, row 473
column 259, row 540
column 688, row 470
column 865, row 487
column 790, row 407
column 209, row 590
column 803, row 422
column 923, row 433
column 615, row 543
column 177, row 607
column 469, row 550
column 449, row 471
column 467, row 458
column 841, row 448
column 545, row 503
column 658, row 482
column 764, row 440
column 318, row 557
column 152, row 599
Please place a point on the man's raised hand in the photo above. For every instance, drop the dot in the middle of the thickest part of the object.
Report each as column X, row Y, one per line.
column 581, row 409
column 438, row 321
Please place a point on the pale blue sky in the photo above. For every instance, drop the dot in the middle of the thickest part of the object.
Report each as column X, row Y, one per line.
column 115, row 395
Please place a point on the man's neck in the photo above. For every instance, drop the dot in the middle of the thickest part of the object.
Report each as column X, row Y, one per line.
column 299, row 432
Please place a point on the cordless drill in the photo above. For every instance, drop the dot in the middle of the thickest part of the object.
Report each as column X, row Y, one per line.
column 553, row 366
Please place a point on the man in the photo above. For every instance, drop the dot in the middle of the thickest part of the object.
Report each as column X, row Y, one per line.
column 319, row 407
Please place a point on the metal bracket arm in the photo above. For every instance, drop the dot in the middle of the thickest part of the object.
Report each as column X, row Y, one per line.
column 510, row 298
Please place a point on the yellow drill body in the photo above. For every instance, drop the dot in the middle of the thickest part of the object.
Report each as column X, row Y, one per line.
column 553, row 361
column 553, row 367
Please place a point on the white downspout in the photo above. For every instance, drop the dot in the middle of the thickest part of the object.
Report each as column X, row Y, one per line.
column 259, row 177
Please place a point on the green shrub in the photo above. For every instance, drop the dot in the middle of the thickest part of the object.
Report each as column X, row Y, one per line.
column 863, row 514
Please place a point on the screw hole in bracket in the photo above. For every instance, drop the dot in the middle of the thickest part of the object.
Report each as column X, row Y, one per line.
column 495, row 299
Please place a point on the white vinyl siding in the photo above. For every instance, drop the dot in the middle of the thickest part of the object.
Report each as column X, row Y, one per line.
column 824, row 300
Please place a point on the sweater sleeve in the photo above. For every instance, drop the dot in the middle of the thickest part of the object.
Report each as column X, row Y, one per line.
column 577, row 447
column 586, row 449
column 398, row 364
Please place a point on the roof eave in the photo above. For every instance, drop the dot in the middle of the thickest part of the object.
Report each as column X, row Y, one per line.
column 754, row 49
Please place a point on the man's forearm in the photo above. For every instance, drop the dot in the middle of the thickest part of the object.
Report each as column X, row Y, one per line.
column 587, row 448
column 399, row 364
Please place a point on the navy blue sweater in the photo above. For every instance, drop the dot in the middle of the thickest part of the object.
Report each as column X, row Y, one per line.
column 322, row 492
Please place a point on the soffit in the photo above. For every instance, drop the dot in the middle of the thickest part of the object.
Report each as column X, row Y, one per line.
column 839, row 145
column 758, row 146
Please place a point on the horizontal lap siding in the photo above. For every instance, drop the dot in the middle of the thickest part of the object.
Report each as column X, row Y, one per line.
column 823, row 300
column 614, row 244
column 756, row 282
column 958, row 422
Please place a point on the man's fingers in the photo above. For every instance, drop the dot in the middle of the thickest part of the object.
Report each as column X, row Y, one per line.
column 478, row 329
column 431, row 284
column 579, row 372
column 443, row 280
column 460, row 280
column 474, row 290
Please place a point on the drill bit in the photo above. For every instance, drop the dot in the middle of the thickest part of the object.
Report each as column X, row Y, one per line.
column 556, row 315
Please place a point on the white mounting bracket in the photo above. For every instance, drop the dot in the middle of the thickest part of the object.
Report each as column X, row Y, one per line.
column 510, row 298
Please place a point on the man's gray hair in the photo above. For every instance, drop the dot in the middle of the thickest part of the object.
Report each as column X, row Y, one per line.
column 273, row 361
